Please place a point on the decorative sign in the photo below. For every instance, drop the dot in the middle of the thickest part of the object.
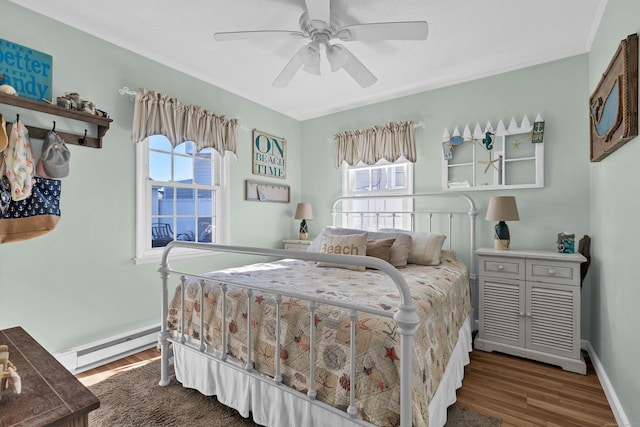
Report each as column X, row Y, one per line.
column 269, row 155
column 26, row 70
column 537, row 134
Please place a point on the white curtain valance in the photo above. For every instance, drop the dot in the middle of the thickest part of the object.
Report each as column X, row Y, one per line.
column 159, row 114
column 389, row 142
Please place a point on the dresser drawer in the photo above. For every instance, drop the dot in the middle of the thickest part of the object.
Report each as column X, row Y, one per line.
column 562, row 273
column 508, row 268
column 296, row 245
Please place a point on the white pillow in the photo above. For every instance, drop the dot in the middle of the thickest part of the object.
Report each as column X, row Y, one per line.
column 316, row 245
column 348, row 244
column 399, row 250
column 426, row 248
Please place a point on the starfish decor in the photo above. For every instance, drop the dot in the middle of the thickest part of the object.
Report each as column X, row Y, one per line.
column 489, row 163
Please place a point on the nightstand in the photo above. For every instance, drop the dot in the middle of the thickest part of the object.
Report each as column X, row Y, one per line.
column 530, row 305
column 296, row 245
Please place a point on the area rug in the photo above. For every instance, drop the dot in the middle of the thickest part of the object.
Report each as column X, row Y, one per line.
column 135, row 399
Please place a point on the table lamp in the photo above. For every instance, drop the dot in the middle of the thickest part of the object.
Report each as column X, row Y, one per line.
column 502, row 208
column 304, row 212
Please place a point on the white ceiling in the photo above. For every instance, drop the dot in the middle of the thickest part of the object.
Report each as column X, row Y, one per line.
column 467, row 39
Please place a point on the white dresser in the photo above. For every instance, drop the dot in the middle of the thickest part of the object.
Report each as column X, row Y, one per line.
column 530, row 305
column 296, row 245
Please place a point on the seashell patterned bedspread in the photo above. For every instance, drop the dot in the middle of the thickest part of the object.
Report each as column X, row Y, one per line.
column 440, row 294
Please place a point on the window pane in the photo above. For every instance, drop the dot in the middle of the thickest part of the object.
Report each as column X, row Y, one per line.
column 161, row 232
column 203, row 172
column 186, row 201
column 159, row 142
column 183, row 169
column 159, row 166
column 186, row 147
column 360, row 180
column 205, row 230
column 399, row 173
column 379, row 179
column 205, row 153
column 161, row 200
column 186, row 229
column 205, row 202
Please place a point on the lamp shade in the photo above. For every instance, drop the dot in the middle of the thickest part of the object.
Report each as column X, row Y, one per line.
column 304, row 211
column 502, row 208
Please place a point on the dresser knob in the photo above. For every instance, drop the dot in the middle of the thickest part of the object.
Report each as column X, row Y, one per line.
column 500, row 267
column 551, row 272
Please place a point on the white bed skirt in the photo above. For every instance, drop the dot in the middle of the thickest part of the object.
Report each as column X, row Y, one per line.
column 276, row 406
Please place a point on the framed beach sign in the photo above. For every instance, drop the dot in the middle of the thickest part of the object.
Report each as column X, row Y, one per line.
column 613, row 106
column 269, row 155
column 27, row 70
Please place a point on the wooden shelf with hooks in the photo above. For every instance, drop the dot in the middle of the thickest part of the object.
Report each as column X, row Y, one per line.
column 102, row 123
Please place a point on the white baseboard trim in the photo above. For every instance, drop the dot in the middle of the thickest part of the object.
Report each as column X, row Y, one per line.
column 98, row 353
column 612, row 397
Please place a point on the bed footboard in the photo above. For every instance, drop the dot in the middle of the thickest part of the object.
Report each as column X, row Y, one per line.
column 405, row 317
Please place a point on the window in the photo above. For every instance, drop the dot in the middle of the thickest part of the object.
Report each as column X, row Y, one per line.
column 384, row 178
column 181, row 194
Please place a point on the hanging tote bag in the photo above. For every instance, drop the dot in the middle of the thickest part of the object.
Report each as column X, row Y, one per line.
column 31, row 217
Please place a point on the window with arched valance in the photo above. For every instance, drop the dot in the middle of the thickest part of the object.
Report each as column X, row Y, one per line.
column 159, row 114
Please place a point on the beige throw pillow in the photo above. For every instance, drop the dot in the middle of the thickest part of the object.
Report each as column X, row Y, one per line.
column 399, row 250
column 349, row 244
column 426, row 248
column 380, row 248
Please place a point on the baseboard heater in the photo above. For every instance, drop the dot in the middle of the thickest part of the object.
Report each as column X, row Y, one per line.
column 98, row 353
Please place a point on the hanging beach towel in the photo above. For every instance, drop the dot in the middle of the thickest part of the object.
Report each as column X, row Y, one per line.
column 31, row 217
column 20, row 167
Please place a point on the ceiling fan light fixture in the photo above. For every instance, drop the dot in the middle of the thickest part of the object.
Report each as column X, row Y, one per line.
column 337, row 57
column 315, row 69
column 310, row 55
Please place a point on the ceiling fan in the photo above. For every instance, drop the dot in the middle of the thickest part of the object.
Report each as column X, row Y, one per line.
column 321, row 26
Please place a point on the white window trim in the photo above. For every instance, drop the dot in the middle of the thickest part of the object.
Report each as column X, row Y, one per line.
column 146, row 255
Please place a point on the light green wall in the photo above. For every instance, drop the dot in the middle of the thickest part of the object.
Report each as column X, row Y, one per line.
column 556, row 90
column 66, row 288
column 78, row 283
column 614, row 210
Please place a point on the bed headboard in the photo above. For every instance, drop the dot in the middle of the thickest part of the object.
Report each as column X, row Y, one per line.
column 445, row 213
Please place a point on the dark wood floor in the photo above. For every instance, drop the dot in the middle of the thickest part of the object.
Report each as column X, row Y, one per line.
column 521, row 392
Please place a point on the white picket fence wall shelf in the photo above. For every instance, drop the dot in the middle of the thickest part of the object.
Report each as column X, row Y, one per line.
column 512, row 162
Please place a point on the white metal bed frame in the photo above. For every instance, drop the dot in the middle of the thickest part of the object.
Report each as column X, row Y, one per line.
column 405, row 315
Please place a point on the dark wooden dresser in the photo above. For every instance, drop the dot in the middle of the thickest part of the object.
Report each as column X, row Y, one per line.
column 51, row 395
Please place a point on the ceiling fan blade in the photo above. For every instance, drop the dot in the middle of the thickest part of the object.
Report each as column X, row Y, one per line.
column 319, row 10
column 357, row 70
column 260, row 34
column 409, row 30
column 289, row 71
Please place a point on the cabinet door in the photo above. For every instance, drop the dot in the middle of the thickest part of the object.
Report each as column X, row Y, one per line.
column 553, row 319
column 502, row 311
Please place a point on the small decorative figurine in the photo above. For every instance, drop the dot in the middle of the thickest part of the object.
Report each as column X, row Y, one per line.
column 566, row 243
column 488, row 141
column 8, row 372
